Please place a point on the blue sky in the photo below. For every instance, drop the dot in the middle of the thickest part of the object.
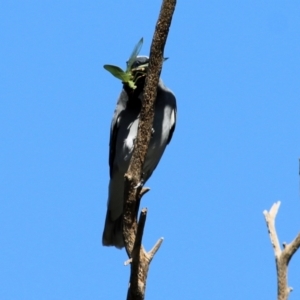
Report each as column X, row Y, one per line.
column 234, row 67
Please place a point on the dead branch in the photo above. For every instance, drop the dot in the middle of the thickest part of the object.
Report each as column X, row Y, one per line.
column 133, row 231
column 282, row 257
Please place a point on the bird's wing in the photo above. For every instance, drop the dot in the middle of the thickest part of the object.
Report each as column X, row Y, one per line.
column 170, row 100
column 121, row 105
column 173, row 124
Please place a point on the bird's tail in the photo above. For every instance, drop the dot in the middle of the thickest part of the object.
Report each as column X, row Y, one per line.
column 112, row 233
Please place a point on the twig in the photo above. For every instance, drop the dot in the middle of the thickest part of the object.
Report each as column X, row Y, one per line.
column 282, row 257
column 155, row 248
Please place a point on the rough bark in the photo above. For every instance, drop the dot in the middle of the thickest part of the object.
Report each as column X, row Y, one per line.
column 133, row 230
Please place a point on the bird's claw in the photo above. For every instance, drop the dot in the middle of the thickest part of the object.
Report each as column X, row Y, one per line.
column 140, row 184
column 152, row 132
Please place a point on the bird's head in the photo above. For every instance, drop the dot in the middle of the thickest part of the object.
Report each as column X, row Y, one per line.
column 139, row 70
column 133, row 78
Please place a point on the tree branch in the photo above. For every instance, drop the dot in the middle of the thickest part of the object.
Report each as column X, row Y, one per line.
column 282, row 257
column 133, row 231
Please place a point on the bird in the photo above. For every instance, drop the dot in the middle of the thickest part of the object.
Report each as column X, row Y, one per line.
column 123, row 133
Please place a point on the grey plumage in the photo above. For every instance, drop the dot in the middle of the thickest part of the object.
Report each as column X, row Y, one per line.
column 123, row 132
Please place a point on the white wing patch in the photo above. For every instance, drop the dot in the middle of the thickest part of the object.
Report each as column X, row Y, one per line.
column 172, row 118
column 129, row 141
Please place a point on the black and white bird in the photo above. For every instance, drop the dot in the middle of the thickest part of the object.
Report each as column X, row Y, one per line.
column 122, row 135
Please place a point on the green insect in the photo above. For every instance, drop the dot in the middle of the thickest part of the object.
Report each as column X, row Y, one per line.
column 131, row 75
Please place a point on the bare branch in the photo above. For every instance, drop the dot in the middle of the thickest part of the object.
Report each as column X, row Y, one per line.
column 140, row 229
column 155, row 248
column 144, row 191
column 282, row 257
column 291, row 248
column 270, row 219
column 132, row 232
column 128, row 262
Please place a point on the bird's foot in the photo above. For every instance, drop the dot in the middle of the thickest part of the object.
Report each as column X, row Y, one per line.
column 152, row 132
column 140, row 184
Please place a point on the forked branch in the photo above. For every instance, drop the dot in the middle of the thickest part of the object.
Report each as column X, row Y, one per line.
column 282, row 257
